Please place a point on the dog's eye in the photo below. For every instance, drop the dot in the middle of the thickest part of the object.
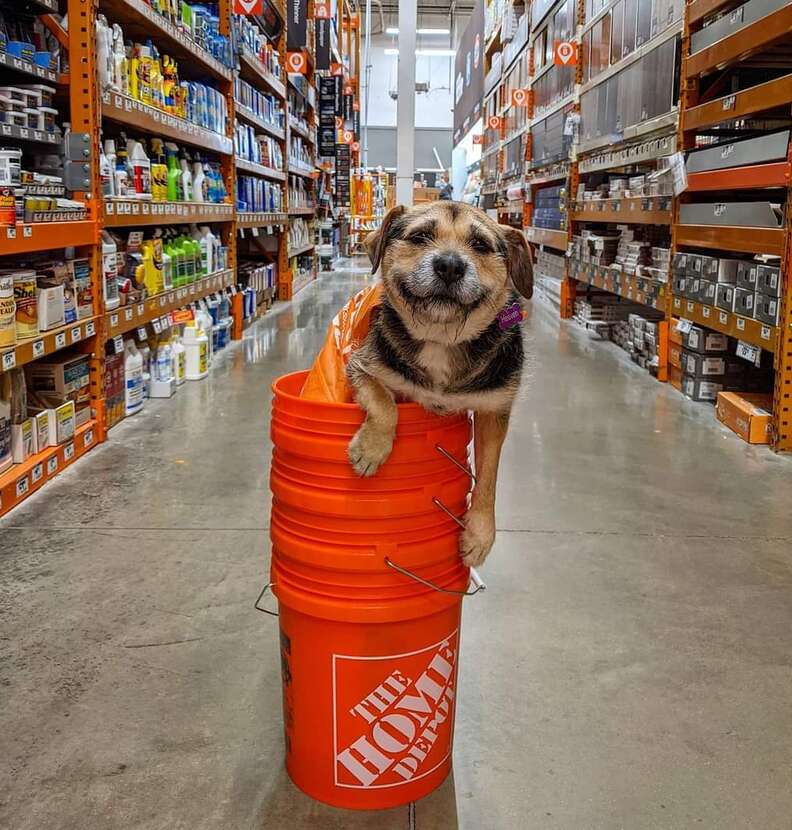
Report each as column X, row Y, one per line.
column 420, row 238
column 480, row 246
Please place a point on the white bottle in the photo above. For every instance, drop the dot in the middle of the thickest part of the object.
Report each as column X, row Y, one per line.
column 104, row 52
column 110, row 155
column 163, row 363
column 199, row 183
column 145, row 353
column 204, row 320
column 112, row 298
column 106, row 175
column 141, row 169
column 186, row 181
column 196, row 353
column 212, row 244
column 206, row 249
column 179, row 359
column 120, row 79
column 133, row 378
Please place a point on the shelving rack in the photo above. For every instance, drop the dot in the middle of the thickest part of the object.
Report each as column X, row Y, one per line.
column 732, row 82
column 260, row 236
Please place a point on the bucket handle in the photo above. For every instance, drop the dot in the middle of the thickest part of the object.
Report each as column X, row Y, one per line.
column 265, row 610
column 475, row 579
column 456, row 463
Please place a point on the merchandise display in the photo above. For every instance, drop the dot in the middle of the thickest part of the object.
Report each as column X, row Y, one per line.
column 144, row 227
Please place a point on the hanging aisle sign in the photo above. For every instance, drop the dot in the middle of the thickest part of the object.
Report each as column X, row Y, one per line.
column 519, row 98
column 248, row 7
column 565, row 53
column 296, row 63
column 322, row 43
column 343, row 162
column 327, row 116
column 322, row 9
column 356, row 122
column 297, row 26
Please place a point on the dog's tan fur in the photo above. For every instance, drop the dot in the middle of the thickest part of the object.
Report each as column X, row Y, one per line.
column 445, row 353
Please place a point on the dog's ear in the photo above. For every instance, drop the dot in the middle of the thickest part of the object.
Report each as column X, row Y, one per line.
column 518, row 261
column 377, row 242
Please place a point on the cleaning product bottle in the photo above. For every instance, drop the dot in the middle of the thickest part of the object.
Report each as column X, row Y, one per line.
column 159, row 171
column 199, row 183
column 106, row 173
column 133, row 378
column 112, row 298
column 174, row 172
column 196, row 352
column 186, row 180
column 179, row 359
column 167, row 263
column 140, row 165
column 110, row 155
column 120, row 64
column 133, row 71
column 162, row 370
column 145, row 354
column 204, row 248
column 157, row 97
column 104, row 52
column 193, row 248
column 204, row 321
column 144, row 73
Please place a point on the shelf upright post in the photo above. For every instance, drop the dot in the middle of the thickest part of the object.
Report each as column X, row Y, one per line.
column 85, row 116
column 782, row 392
column 227, row 161
column 285, row 277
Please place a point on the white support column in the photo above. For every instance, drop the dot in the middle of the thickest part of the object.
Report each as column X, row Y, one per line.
column 405, row 104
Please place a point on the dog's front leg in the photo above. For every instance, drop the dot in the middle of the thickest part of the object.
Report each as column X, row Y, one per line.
column 479, row 534
column 373, row 442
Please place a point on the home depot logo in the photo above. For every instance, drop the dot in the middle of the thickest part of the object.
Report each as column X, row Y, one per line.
column 394, row 715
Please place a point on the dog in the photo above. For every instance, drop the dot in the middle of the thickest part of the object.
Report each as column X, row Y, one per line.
column 449, row 273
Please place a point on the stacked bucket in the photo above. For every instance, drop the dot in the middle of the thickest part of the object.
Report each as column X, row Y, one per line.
column 369, row 584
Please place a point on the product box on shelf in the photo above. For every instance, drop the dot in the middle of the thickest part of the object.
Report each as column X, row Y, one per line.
column 708, row 292
column 768, row 280
column 675, row 353
column 63, row 375
column 744, row 302
column 61, row 423
column 700, row 389
column 746, row 275
column 766, row 309
column 728, row 271
column 701, row 365
column 22, row 440
column 724, row 296
column 747, row 414
column 702, row 340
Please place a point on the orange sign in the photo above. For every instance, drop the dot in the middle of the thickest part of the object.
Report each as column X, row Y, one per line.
column 349, row 136
column 493, row 122
column 347, row 89
column 339, row 122
column 321, row 9
column 248, row 7
column 565, row 53
column 336, row 69
column 519, row 98
column 478, row 139
column 356, row 106
column 355, row 146
column 296, row 63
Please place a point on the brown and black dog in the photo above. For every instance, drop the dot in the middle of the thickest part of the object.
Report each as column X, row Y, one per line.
column 441, row 339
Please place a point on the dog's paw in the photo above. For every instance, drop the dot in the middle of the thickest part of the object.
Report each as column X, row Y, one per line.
column 477, row 538
column 369, row 449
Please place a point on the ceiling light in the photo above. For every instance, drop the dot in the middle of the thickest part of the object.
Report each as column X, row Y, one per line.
column 391, row 51
column 431, row 53
column 394, row 30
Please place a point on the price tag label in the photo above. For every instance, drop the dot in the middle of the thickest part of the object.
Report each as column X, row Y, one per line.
column 683, row 325
column 677, row 302
column 740, row 324
column 118, row 344
column 9, row 361
column 68, row 452
column 60, row 339
column 10, row 233
column 765, row 333
column 691, row 306
column 22, row 486
column 749, row 352
column 705, row 311
column 724, row 318
column 141, row 309
column 90, row 329
column 38, row 348
column 127, row 314
column 141, row 333
column 52, row 465
column 113, row 320
column 155, row 324
column 729, row 101
column 165, row 321
column 36, row 473
column 27, row 232
column 162, row 301
column 88, row 438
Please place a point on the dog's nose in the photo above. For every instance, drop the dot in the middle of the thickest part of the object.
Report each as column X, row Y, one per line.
column 449, row 267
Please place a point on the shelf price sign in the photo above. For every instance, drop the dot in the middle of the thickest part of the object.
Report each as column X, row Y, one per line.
column 749, row 352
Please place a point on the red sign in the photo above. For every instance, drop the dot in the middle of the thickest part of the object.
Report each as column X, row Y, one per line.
column 402, row 730
column 321, row 9
column 565, row 53
column 296, row 63
column 347, row 89
column 493, row 122
column 519, row 98
column 478, row 139
column 336, row 69
column 248, row 7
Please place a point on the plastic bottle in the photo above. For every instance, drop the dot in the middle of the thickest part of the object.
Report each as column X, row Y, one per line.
column 106, row 174
column 104, row 50
column 186, row 180
column 174, row 172
column 204, row 321
column 162, row 370
column 133, row 378
column 205, row 248
column 179, row 359
column 195, row 259
column 196, row 353
column 133, row 73
column 199, row 182
column 141, row 169
column 145, row 354
column 159, row 171
column 110, row 272
column 144, row 73
column 120, row 64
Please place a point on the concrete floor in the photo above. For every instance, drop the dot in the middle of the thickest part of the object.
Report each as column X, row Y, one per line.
column 629, row 667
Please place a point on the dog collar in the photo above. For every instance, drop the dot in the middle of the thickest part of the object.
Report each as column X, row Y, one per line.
column 510, row 316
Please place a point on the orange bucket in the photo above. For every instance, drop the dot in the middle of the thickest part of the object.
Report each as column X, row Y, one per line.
column 369, row 585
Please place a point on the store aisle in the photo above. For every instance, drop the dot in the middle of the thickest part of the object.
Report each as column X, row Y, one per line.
column 628, row 666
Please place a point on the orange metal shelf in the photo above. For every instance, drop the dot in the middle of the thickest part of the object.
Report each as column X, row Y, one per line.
column 303, row 249
column 546, row 236
column 45, row 236
column 241, row 111
column 47, row 343
column 742, row 44
column 730, row 238
column 141, row 21
column 742, row 178
column 631, row 286
column 132, row 113
column 302, row 211
column 760, row 98
column 260, row 220
column 635, row 211
column 134, row 315
column 260, row 170
column 743, row 328
column 22, row 480
column 252, row 70
column 133, row 212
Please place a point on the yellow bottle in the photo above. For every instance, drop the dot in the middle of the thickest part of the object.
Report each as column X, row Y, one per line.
column 132, row 74
column 152, row 266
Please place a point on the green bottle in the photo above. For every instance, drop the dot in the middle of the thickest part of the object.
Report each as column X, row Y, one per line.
column 174, row 171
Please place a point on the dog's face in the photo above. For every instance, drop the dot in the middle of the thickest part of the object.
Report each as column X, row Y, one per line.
column 448, row 264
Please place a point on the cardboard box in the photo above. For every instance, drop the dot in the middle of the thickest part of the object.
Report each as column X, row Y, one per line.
column 747, row 414
column 22, row 441
column 679, row 268
column 709, row 267
column 766, row 309
column 674, row 335
column 744, row 299
column 694, row 288
column 705, row 341
column 64, row 375
column 51, row 307
column 746, row 275
column 41, row 430
column 702, row 365
column 708, row 291
column 679, row 286
column 700, row 389
column 768, row 280
column 675, row 377
column 693, row 265
column 675, row 352
column 727, row 271
column 724, row 296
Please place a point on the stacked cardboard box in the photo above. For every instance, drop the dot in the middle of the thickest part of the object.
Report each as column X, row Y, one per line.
column 638, row 336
